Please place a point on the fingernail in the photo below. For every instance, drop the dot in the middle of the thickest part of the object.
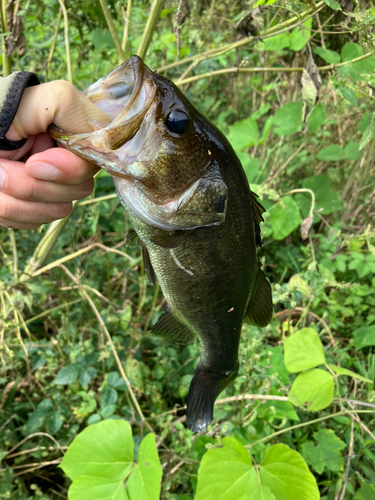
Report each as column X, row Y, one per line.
column 43, row 171
column 2, row 178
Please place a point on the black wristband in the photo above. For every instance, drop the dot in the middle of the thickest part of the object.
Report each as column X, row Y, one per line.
column 11, row 91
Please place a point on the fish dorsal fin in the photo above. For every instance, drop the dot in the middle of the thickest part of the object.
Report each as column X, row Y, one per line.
column 132, row 239
column 258, row 209
column 166, row 240
column 259, row 311
column 148, row 266
column 169, row 327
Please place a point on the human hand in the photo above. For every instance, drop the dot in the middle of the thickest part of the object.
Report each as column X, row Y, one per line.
column 38, row 181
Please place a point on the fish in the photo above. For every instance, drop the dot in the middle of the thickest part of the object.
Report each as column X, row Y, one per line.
column 198, row 223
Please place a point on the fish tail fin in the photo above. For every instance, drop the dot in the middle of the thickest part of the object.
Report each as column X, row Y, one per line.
column 204, row 389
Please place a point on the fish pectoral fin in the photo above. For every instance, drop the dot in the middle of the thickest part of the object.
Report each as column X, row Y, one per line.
column 148, row 266
column 258, row 209
column 166, row 240
column 169, row 327
column 132, row 239
column 259, row 311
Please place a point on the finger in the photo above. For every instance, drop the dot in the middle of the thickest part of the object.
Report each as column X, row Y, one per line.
column 31, row 212
column 15, row 182
column 57, row 102
column 18, row 225
column 61, row 166
column 18, row 153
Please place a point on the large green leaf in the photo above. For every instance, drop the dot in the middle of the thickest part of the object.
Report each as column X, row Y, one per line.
column 334, row 152
column 277, row 42
column 284, row 218
column 243, row 134
column 313, row 389
column 104, row 450
column 303, row 350
column 98, row 488
column 329, row 56
column 326, row 453
column 288, row 119
column 364, row 336
column 286, row 474
column 366, row 492
column 145, row 481
column 316, row 118
column 227, row 473
column 299, row 37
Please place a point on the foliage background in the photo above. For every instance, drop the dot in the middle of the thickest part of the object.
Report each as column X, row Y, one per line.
column 58, row 373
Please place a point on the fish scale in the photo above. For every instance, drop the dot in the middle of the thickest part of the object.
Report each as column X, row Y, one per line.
column 195, row 217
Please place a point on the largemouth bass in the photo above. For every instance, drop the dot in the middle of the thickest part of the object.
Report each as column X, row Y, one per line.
column 197, row 221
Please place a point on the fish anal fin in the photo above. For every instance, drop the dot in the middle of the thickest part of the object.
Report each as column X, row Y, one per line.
column 132, row 239
column 148, row 266
column 259, row 311
column 168, row 240
column 169, row 327
column 258, row 210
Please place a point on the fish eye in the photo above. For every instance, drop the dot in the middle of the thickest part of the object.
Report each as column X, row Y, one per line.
column 177, row 121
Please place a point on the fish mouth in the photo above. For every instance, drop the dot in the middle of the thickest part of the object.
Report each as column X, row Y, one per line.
column 126, row 95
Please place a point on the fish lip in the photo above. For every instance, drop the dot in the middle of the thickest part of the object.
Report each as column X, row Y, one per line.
column 127, row 113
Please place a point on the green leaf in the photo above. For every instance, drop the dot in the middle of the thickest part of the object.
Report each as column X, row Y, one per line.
column 343, row 371
column 108, row 396
column 316, row 118
column 284, row 218
column 277, row 42
column 227, row 473
column 144, row 482
column 243, row 134
column 351, row 151
column 288, row 119
column 349, row 95
column 333, row 4
column 36, row 420
column 303, row 350
column 364, row 336
column 286, row 474
column 54, row 422
column 67, row 375
column 334, row 152
column 314, row 389
column 366, row 492
column 105, row 449
column 101, row 39
column 98, row 488
column 260, row 493
column 299, row 37
column 326, row 453
column 351, row 51
column 327, row 55
column 326, row 199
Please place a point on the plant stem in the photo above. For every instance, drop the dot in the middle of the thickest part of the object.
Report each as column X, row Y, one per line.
column 126, row 25
column 4, row 26
column 150, row 27
column 112, row 30
column 66, row 37
column 52, row 49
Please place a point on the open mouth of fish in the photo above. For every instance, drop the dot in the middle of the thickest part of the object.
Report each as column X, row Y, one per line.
column 125, row 146
column 125, row 95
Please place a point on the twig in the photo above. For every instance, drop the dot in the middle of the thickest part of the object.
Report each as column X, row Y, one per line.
column 275, row 30
column 152, row 20
column 33, row 435
column 350, row 456
column 66, row 37
column 110, row 341
column 4, row 28
column 112, row 30
column 265, row 70
column 14, row 251
column 304, row 424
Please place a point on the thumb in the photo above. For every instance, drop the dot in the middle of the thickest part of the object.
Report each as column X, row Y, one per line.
column 57, row 102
